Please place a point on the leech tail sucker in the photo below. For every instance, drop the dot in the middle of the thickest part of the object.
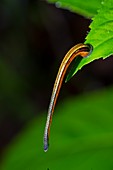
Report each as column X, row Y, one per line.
column 82, row 50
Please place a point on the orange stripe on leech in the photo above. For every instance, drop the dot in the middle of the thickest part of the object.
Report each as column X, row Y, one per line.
column 83, row 54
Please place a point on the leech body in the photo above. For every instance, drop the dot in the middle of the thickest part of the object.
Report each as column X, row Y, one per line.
column 82, row 50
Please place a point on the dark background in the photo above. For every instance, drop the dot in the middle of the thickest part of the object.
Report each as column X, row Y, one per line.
column 34, row 37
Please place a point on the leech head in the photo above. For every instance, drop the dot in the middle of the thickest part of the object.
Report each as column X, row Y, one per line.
column 46, row 143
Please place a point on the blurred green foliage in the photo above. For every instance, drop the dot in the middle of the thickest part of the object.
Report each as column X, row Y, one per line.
column 81, row 137
column 86, row 8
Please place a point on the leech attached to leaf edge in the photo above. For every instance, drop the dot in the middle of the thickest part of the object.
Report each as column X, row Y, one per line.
column 82, row 50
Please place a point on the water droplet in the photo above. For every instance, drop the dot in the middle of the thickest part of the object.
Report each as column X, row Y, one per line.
column 58, row 4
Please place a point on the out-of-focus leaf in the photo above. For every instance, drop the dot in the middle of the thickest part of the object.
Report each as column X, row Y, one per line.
column 100, row 36
column 86, row 8
column 81, row 137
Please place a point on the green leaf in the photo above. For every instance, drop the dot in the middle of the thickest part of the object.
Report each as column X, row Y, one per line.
column 100, row 36
column 81, row 137
column 86, row 8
